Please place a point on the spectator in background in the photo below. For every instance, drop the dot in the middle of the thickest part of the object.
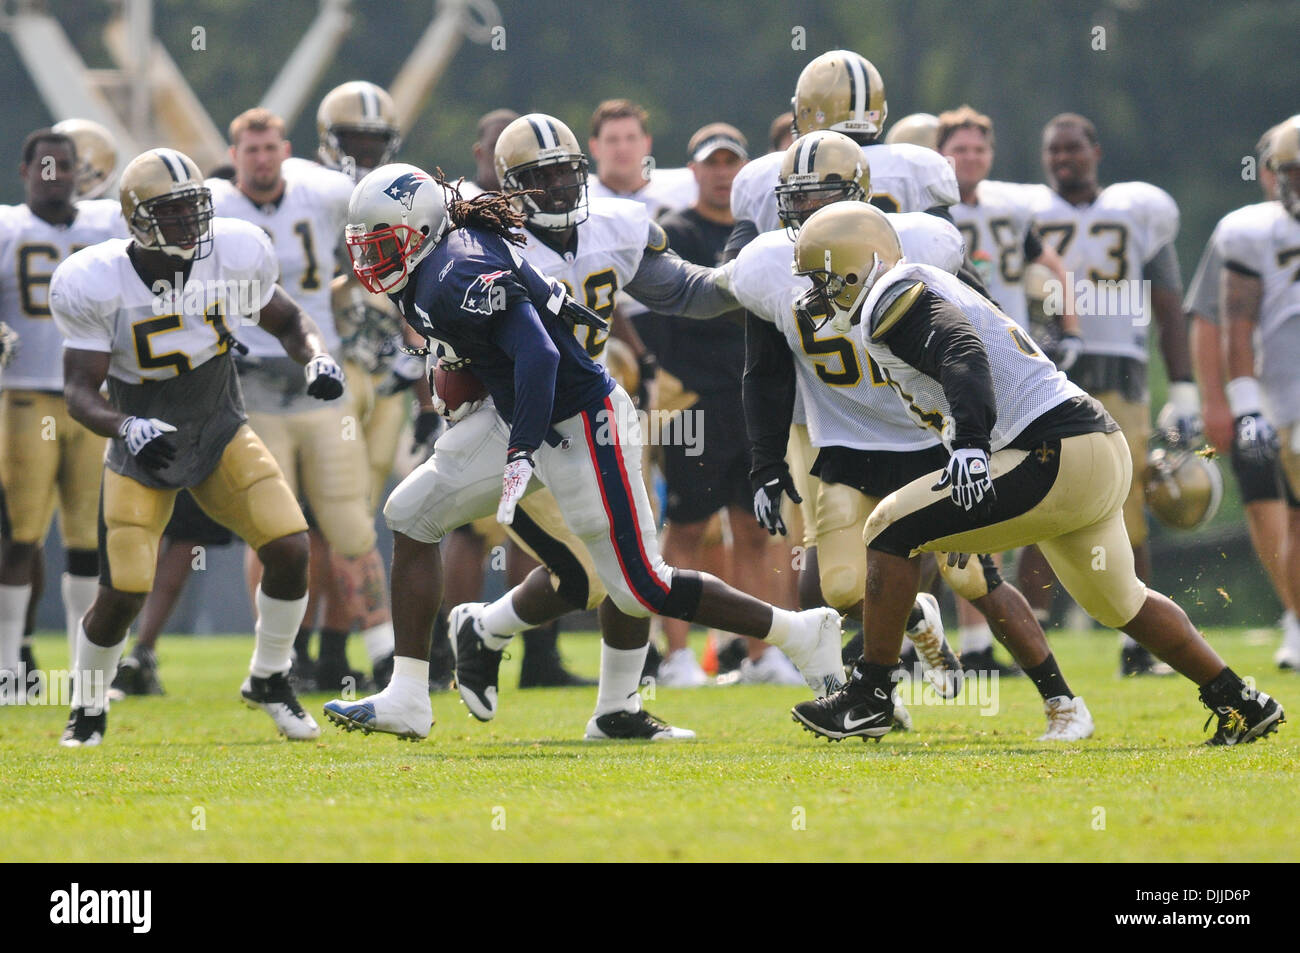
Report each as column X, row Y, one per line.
column 705, row 452
column 620, row 144
column 781, row 133
column 485, row 144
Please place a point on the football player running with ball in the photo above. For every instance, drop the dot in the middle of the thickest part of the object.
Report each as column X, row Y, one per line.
column 457, row 275
column 152, row 316
column 1032, row 459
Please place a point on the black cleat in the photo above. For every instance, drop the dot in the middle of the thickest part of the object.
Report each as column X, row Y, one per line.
column 477, row 666
column 1254, row 716
column 334, row 675
column 137, row 674
column 275, row 696
column 982, row 662
column 1135, row 661
column 302, row 673
column 855, row 711
column 84, row 730
column 633, row 726
column 732, row 655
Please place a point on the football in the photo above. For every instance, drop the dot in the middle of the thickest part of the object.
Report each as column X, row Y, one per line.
column 457, row 387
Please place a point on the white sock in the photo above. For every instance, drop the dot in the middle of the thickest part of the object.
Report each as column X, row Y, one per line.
column 78, row 594
column 784, row 625
column 1129, row 642
column 13, row 612
column 501, row 623
column 975, row 638
column 1289, row 620
column 98, row 666
column 276, row 627
column 620, row 677
column 410, row 679
column 378, row 640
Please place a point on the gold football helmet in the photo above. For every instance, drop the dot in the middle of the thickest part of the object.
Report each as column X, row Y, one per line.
column 820, row 168
column 96, row 155
column 839, row 90
column 844, row 248
column 1284, row 158
column 1183, row 489
column 920, row 129
column 166, row 205
column 538, row 153
column 357, row 125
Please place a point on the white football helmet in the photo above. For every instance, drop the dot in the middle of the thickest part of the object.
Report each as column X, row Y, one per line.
column 96, row 155
column 396, row 216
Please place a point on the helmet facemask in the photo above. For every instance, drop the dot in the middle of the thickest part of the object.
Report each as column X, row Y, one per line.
column 178, row 224
column 382, row 259
column 837, row 299
column 798, row 196
column 562, row 184
column 357, row 149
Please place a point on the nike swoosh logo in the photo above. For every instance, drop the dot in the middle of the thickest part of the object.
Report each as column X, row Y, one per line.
column 851, row 723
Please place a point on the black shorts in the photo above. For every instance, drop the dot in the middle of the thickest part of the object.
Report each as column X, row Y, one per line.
column 191, row 524
column 706, row 459
column 1259, row 482
column 877, row 473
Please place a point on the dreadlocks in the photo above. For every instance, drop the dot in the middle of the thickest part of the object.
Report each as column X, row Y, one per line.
column 490, row 211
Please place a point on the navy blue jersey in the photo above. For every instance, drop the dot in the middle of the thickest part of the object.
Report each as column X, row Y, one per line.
column 485, row 305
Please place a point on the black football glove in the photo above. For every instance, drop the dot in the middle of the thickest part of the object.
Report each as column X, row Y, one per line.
column 768, row 488
column 146, row 439
column 324, row 378
column 428, row 424
column 1257, row 441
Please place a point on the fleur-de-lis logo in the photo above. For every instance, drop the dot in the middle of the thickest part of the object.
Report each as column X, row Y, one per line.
column 1045, row 453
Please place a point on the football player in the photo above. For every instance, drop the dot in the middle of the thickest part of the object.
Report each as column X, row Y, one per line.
column 1260, row 248
column 594, row 247
column 866, row 446
column 151, row 316
column 1032, row 459
column 1116, row 243
column 96, row 156
column 458, row 275
column 321, row 450
column 1259, row 476
column 47, row 458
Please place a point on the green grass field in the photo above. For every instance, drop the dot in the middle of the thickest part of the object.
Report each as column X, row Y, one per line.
column 196, row 776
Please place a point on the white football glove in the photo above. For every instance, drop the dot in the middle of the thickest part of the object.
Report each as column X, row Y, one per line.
column 1180, row 419
column 460, row 413
column 8, row 344
column 519, row 470
column 146, row 439
column 969, row 475
column 1067, row 353
column 324, row 377
column 406, row 370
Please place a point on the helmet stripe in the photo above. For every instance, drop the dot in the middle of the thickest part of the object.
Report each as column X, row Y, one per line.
column 167, row 160
column 545, row 139
column 808, row 154
column 857, row 86
column 369, row 103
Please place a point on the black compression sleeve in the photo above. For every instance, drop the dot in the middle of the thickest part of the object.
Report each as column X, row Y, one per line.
column 935, row 337
column 742, row 233
column 941, row 211
column 768, row 394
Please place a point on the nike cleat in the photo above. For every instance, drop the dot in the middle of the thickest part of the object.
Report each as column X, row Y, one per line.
column 1136, row 661
column 1068, row 719
column 633, row 726
column 1254, row 716
column 274, row 695
column 383, row 714
column 84, row 730
column 815, row 650
column 855, row 711
column 925, row 629
column 477, row 666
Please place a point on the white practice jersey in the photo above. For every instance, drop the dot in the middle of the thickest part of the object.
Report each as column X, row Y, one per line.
column 1026, row 384
column 1264, row 240
column 608, row 253
column 995, row 228
column 845, row 398
column 101, row 304
column 306, row 228
column 30, row 250
column 1104, row 247
column 904, row 178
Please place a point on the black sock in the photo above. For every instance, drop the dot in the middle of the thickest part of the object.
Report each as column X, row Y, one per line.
column 302, row 643
column 333, row 644
column 1048, row 679
column 1224, row 689
column 878, row 676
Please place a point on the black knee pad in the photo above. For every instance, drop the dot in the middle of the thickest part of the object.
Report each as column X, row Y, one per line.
column 683, row 599
column 83, row 562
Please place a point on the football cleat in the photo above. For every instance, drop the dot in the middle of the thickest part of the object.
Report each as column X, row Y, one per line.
column 1254, row 716
column 680, row 669
column 902, row 717
column 815, row 650
column 384, row 714
column 1068, row 719
column 982, row 662
column 855, row 711
column 84, row 730
column 1288, row 653
column 477, row 666
column 333, row 674
column 925, row 629
column 274, row 695
column 1134, row 661
column 770, row 668
column 137, row 674
column 542, row 666
column 633, row 726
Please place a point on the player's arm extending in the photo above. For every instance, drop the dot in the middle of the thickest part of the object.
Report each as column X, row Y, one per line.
column 1180, row 418
column 767, row 390
column 934, row 336
column 742, row 233
column 1240, row 296
column 668, row 284
column 302, row 341
column 84, row 373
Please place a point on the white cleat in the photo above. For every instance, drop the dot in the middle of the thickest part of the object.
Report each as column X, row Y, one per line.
column 902, row 717
column 382, row 712
column 680, row 670
column 275, row 696
column 770, row 668
column 942, row 668
column 1068, row 719
column 815, row 650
